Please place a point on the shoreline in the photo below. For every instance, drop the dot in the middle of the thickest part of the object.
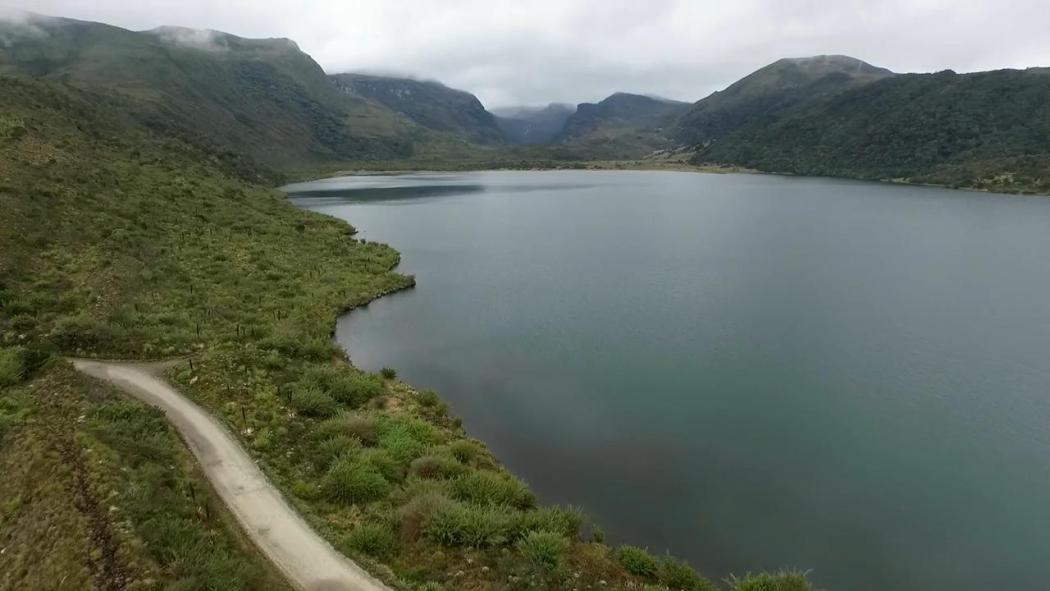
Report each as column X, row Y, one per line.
column 640, row 166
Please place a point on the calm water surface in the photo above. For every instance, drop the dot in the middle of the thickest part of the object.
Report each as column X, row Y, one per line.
column 752, row 372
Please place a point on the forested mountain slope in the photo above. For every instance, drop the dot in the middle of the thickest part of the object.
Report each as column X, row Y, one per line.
column 988, row 130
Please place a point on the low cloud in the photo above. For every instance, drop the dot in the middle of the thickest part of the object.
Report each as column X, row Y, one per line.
column 510, row 52
column 202, row 39
column 15, row 24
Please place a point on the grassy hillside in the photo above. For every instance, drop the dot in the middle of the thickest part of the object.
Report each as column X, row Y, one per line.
column 429, row 104
column 757, row 99
column 100, row 493
column 119, row 241
column 258, row 104
column 988, row 130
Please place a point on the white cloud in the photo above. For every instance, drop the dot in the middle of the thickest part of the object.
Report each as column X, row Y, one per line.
column 511, row 52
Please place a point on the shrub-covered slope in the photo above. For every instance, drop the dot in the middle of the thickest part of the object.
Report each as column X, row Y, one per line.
column 758, row 98
column 621, row 126
column 119, row 241
column 987, row 130
column 259, row 103
column 429, row 104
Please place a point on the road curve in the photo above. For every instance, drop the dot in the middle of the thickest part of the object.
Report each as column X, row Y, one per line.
column 309, row 562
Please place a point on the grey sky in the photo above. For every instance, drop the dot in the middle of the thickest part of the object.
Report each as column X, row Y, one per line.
column 538, row 51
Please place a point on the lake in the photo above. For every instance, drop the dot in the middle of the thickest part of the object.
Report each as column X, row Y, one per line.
column 748, row 371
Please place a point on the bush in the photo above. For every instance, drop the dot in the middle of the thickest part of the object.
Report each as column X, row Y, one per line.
column 493, row 488
column 372, row 539
column 343, row 384
column 415, row 512
column 545, row 550
column 436, row 466
column 352, row 481
column 402, row 446
column 638, row 562
column 11, row 369
column 563, row 520
column 454, row 524
column 390, row 468
column 465, row 450
column 679, row 576
column 334, row 448
column 360, row 427
column 781, row 581
column 356, row 390
column 429, row 398
column 311, row 402
column 388, row 373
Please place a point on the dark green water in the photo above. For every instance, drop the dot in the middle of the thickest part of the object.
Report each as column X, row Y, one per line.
column 751, row 372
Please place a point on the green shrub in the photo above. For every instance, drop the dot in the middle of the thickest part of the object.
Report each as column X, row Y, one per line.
column 388, row 373
column 413, row 514
column 11, row 369
column 311, row 402
column 563, row 520
column 402, row 446
column 597, row 535
column 344, row 384
column 436, row 466
column 381, row 459
column 678, row 576
column 465, row 450
column 781, row 581
column 544, row 550
column 455, row 524
column 638, row 562
column 483, row 487
column 373, row 539
column 429, row 398
column 352, row 481
column 334, row 448
column 360, row 427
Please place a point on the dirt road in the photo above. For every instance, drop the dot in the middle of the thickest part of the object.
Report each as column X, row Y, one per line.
column 308, row 561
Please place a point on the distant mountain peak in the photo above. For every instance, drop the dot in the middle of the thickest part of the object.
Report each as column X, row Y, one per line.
column 836, row 62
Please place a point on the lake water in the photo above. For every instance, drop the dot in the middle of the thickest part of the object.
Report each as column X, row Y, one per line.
column 751, row 372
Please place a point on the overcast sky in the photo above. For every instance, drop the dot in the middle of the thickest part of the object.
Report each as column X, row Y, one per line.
column 537, row 51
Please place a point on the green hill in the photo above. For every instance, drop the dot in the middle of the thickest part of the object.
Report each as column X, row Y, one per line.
column 759, row 97
column 429, row 104
column 259, row 103
column 621, row 126
column 988, row 130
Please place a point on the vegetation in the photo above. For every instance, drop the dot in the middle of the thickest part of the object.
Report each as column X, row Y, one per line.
column 99, row 493
column 120, row 237
column 988, row 130
column 622, row 126
column 760, row 97
column 783, row 581
column 429, row 104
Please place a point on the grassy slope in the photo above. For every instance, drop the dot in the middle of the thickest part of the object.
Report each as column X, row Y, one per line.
column 258, row 104
column 430, row 104
column 120, row 242
column 620, row 127
column 758, row 98
column 99, row 493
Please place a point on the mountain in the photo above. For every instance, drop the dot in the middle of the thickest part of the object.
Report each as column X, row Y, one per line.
column 533, row 125
column 779, row 86
column 429, row 104
column 260, row 103
column 987, row 130
column 621, row 126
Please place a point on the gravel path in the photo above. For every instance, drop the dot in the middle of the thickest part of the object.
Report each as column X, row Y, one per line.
column 308, row 561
